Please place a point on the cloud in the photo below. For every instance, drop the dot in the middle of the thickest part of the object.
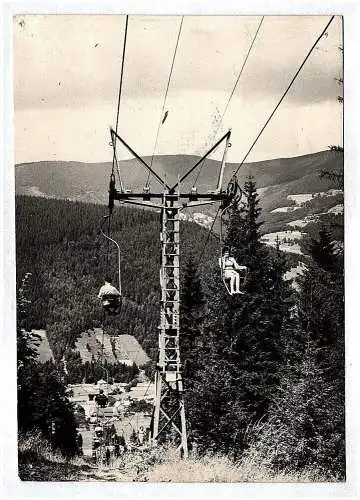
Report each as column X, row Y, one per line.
column 315, row 83
column 83, row 134
column 72, row 60
column 67, row 70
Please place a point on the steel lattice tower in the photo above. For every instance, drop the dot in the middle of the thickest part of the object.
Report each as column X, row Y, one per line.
column 169, row 420
column 169, row 402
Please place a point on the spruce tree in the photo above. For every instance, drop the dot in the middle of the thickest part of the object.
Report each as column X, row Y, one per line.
column 243, row 334
column 42, row 402
column 314, row 378
column 322, row 251
column 192, row 312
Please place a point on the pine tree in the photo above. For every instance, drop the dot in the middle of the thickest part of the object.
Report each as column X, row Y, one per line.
column 305, row 428
column 26, row 339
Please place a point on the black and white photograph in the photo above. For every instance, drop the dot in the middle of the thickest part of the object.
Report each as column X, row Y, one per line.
column 179, row 238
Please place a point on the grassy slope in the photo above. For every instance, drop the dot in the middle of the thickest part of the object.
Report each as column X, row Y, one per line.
column 38, row 463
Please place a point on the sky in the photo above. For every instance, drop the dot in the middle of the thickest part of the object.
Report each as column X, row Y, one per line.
column 67, row 71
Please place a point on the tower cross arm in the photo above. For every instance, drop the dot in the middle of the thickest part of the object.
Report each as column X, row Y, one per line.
column 143, row 162
column 225, row 136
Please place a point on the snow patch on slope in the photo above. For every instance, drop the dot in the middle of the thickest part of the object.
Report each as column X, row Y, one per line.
column 35, row 191
column 203, row 220
column 336, row 210
column 287, row 240
column 284, row 210
column 301, row 199
column 304, row 222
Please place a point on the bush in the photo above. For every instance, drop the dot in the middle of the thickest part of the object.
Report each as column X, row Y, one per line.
column 39, row 462
column 133, row 383
column 42, row 404
column 140, row 406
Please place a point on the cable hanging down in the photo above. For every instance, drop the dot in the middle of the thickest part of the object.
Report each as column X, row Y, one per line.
column 233, row 90
column 284, row 94
column 162, row 116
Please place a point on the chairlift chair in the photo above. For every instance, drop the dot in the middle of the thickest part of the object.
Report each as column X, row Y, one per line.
column 193, row 194
column 242, row 279
column 112, row 302
column 235, row 194
column 226, row 282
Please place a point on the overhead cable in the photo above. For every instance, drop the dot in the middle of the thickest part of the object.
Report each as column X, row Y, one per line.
column 234, row 88
column 120, row 91
column 284, row 94
column 162, row 117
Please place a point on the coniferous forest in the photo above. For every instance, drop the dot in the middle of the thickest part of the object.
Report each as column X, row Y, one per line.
column 263, row 372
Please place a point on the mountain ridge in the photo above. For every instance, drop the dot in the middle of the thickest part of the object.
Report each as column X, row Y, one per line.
column 277, row 181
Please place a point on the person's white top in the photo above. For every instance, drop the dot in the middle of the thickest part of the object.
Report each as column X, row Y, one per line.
column 229, row 263
column 108, row 289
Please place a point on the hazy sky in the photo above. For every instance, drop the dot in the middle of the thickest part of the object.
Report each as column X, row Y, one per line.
column 67, row 69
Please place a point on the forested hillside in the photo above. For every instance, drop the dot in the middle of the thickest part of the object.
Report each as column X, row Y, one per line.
column 263, row 371
column 60, row 243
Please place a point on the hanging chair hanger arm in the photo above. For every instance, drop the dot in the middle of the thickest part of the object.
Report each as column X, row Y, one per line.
column 129, row 148
column 117, row 246
column 226, row 136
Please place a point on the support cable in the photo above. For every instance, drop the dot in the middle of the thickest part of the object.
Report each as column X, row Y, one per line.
column 164, row 102
column 225, row 136
column 114, row 161
column 284, row 94
column 119, row 95
column 202, row 163
column 118, row 250
column 234, row 88
column 122, row 72
column 269, row 118
column 208, row 237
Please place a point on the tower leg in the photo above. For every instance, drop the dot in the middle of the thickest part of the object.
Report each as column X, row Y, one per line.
column 169, row 411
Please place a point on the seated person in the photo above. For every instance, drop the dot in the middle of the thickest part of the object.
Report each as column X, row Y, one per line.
column 110, row 297
column 100, row 399
column 229, row 268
